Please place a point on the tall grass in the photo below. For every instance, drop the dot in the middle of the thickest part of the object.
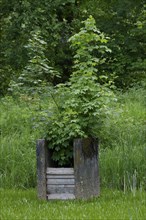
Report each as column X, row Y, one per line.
column 123, row 138
column 122, row 147
column 18, row 138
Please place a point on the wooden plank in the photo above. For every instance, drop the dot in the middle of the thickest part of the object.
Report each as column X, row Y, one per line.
column 54, row 171
column 51, row 189
column 61, row 186
column 60, row 181
column 61, row 176
column 86, row 168
column 62, row 196
column 42, row 164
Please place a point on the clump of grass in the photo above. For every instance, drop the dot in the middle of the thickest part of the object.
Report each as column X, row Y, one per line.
column 23, row 204
column 18, row 138
column 122, row 153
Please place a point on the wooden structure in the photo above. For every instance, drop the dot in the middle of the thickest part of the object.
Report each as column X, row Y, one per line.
column 80, row 181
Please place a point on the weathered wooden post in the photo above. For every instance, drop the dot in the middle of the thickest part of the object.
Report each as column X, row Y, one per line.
column 86, row 168
column 42, row 164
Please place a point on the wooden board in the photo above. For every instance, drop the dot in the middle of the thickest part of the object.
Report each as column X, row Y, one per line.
column 62, row 196
column 62, row 181
column 53, row 189
column 60, row 176
column 55, row 171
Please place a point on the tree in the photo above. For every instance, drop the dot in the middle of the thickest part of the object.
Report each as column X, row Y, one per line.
column 19, row 19
column 125, row 23
column 83, row 102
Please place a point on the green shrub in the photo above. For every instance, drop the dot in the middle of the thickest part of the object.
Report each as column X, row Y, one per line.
column 83, row 102
column 37, row 75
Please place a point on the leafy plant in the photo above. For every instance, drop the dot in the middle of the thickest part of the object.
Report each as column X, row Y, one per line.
column 38, row 74
column 83, row 102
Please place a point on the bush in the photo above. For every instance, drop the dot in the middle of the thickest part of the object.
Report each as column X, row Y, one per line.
column 84, row 101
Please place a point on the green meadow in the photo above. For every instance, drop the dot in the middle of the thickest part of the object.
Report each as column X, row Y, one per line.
column 122, row 163
column 112, row 204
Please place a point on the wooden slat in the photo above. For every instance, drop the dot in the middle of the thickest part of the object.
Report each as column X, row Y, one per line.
column 60, row 189
column 62, row 186
column 60, row 181
column 58, row 171
column 62, row 196
column 60, row 176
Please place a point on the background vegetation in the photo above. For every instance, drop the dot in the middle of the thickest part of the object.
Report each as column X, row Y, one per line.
column 37, row 66
column 56, row 21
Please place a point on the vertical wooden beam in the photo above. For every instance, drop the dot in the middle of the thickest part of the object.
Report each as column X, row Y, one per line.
column 86, row 168
column 42, row 163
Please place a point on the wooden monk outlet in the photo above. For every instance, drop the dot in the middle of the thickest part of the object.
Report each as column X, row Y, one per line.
column 78, row 182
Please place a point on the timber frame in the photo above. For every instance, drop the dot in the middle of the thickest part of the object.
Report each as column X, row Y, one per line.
column 78, row 182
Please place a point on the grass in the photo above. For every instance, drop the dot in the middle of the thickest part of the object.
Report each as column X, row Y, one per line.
column 114, row 205
column 122, row 141
column 19, row 132
column 123, row 138
column 122, row 163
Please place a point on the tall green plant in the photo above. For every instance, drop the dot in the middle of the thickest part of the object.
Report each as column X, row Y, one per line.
column 83, row 101
column 38, row 73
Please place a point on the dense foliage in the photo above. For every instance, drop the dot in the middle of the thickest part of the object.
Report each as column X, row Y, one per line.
column 124, row 21
column 83, row 102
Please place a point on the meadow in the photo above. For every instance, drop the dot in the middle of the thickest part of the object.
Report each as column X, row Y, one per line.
column 111, row 205
column 122, row 162
column 122, row 141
